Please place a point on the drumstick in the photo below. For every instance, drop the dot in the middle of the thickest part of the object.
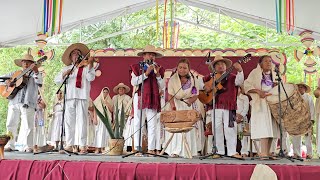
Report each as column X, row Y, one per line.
column 184, row 101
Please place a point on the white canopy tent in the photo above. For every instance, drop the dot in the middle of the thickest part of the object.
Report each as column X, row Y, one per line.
column 21, row 20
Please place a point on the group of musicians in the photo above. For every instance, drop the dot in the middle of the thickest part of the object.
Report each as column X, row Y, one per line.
column 231, row 108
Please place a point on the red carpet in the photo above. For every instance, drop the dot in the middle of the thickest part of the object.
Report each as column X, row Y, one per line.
column 78, row 170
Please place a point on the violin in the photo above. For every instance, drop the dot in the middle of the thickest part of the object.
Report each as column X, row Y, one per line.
column 86, row 62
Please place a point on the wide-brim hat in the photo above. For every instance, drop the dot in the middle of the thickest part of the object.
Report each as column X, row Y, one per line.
column 219, row 58
column 66, row 55
column 308, row 89
column 115, row 89
column 26, row 57
column 150, row 49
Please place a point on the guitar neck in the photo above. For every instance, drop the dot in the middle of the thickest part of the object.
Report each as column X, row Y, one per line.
column 225, row 75
column 228, row 71
column 23, row 73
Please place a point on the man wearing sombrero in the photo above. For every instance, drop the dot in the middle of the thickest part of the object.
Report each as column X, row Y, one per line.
column 23, row 105
column 77, row 95
column 121, row 99
column 296, row 140
column 152, row 84
column 225, row 105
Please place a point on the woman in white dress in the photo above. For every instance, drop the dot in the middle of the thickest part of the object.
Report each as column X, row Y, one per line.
column 56, row 122
column 183, row 89
column 258, row 84
column 101, row 134
column 91, row 124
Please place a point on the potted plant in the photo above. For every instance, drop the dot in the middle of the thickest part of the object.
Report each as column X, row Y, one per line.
column 116, row 141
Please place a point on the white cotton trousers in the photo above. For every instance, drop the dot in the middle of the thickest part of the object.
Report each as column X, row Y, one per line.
column 296, row 143
column 151, row 124
column 159, row 132
column 15, row 112
column 285, row 143
column 76, row 121
column 128, row 132
column 222, row 130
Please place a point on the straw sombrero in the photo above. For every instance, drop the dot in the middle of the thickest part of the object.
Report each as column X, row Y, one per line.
column 150, row 49
column 115, row 89
column 26, row 57
column 219, row 58
column 66, row 55
column 308, row 89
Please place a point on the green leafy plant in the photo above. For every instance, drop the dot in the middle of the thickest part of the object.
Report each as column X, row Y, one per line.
column 116, row 131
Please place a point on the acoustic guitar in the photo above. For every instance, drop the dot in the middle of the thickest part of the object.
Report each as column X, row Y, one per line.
column 207, row 97
column 18, row 81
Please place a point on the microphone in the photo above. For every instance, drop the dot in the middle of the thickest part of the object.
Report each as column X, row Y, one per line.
column 276, row 68
column 5, row 78
column 154, row 64
column 208, row 61
column 80, row 57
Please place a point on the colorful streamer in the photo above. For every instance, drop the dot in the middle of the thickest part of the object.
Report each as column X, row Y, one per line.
column 52, row 16
column 157, row 18
column 171, row 23
column 285, row 13
column 164, row 37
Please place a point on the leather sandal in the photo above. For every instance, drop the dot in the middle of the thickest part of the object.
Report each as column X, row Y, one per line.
column 238, row 156
column 83, row 152
column 263, row 157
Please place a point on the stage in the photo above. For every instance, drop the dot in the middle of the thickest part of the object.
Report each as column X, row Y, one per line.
column 18, row 165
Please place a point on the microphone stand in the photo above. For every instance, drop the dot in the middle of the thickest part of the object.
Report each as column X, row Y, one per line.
column 64, row 83
column 213, row 120
column 3, row 79
column 139, row 150
column 280, row 85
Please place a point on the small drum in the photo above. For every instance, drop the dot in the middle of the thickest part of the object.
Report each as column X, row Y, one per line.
column 296, row 121
column 179, row 119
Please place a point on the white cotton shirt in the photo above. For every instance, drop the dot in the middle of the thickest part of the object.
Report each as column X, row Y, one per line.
column 72, row 91
column 242, row 105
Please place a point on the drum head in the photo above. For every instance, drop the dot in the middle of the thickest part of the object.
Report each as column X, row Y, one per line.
column 274, row 98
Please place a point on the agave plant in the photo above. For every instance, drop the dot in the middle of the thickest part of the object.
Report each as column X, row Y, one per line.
column 117, row 131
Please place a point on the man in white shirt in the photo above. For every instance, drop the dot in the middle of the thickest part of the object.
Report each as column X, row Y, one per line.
column 23, row 105
column 225, row 105
column 77, row 95
column 296, row 140
column 152, row 83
